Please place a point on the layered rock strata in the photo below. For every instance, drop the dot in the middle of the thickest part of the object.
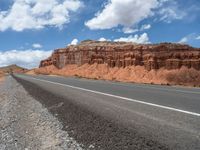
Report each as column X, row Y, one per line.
column 121, row 54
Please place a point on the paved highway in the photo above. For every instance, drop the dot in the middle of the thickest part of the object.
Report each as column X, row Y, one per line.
column 161, row 117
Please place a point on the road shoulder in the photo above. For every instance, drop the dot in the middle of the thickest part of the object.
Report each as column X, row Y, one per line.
column 26, row 124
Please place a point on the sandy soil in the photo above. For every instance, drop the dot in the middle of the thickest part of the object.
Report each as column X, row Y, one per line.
column 1, row 79
column 26, row 124
column 31, row 72
column 136, row 74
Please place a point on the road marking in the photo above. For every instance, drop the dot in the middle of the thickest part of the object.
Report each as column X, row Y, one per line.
column 118, row 97
column 146, row 86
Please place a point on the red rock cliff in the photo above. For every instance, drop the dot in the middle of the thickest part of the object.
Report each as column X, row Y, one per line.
column 121, row 54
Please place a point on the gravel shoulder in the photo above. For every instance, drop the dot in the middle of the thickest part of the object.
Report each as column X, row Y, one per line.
column 26, row 124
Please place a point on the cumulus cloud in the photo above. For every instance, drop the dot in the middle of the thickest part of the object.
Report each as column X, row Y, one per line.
column 37, row 45
column 140, row 39
column 36, row 14
column 102, row 39
column 128, row 13
column 122, row 12
column 74, row 42
column 27, row 58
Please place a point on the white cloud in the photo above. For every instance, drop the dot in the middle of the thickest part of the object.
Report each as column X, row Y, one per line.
column 145, row 27
column 140, row 39
column 171, row 12
column 102, row 39
column 74, row 42
column 198, row 38
column 184, row 40
column 189, row 38
column 37, row 45
column 128, row 13
column 27, row 58
column 128, row 30
column 122, row 12
column 36, row 14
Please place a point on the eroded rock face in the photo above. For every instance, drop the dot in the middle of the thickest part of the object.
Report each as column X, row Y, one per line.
column 121, row 54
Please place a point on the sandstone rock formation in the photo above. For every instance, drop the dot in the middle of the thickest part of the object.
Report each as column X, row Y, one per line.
column 121, row 54
column 165, row 63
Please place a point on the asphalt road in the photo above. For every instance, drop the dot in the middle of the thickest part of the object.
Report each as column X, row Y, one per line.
column 122, row 115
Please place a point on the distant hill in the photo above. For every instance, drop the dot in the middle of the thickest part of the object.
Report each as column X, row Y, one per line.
column 12, row 69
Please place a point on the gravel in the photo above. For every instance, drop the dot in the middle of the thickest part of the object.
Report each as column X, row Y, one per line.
column 25, row 124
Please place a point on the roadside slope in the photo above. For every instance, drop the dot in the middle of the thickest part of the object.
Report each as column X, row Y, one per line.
column 134, row 74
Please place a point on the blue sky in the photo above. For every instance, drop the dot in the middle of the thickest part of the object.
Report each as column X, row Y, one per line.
column 33, row 28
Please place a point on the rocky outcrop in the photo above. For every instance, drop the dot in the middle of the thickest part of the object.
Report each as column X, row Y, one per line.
column 12, row 69
column 121, row 54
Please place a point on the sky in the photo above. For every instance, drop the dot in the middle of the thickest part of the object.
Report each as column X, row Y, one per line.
column 31, row 29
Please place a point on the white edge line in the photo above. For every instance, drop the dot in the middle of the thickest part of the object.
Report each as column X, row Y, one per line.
column 120, row 97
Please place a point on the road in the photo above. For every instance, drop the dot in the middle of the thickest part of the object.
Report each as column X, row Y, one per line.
column 142, row 116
